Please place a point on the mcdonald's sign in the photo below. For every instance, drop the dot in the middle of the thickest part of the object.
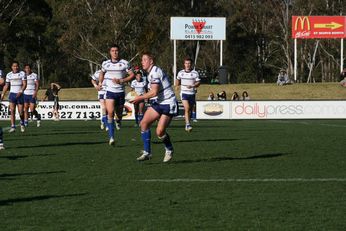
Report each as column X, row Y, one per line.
column 307, row 27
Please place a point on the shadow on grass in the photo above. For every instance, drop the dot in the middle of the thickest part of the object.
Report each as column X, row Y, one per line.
column 37, row 198
column 16, row 157
column 61, row 144
column 65, row 133
column 29, row 173
column 224, row 158
column 197, row 140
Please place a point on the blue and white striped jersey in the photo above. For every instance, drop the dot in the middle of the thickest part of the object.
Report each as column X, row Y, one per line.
column 188, row 78
column 115, row 70
column 31, row 83
column 166, row 94
column 15, row 80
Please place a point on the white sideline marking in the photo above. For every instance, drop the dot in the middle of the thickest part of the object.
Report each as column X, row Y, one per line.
column 248, row 180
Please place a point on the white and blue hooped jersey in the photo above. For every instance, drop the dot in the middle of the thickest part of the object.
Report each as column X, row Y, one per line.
column 188, row 78
column 166, row 94
column 95, row 77
column 15, row 80
column 115, row 70
column 140, row 87
column 31, row 83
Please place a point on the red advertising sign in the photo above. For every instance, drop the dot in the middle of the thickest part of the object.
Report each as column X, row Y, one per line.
column 307, row 27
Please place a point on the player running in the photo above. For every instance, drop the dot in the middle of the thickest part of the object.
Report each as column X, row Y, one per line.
column 139, row 86
column 2, row 82
column 189, row 81
column 17, row 80
column 115, row 72
column 101, row 97
column 30, row 95
column 164, row 106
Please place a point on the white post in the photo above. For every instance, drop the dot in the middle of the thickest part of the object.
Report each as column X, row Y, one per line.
column 295, row 60
column 175, row 60
column 342, row 55
column 221, row 48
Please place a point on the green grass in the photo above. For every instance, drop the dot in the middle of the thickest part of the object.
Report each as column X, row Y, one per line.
column 64, row 176
column 316, row 91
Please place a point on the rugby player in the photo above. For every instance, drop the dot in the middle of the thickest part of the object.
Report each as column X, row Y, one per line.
column 139, row 86
column 189, row 80
column 2, row 81
column 17, row 80
column 101, row 97
column 115, row 72
column 30, row 95
column 164, row 106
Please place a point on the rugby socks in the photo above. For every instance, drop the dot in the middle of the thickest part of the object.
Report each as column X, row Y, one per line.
column 166, row 141
column 146, row 136
column 193, row 115
column 104, row 119
column 110, row 124
column 26, row 123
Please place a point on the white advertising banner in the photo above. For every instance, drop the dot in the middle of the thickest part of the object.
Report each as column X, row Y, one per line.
column 288, row 110
column 70, row 110
column 198, row 28
column 213, row 110
column 271, row 109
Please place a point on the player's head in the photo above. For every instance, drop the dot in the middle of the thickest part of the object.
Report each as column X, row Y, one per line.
column 114, row 51
column 187, row 64
column 15, row 66
column 148, row 60
column 27, row 68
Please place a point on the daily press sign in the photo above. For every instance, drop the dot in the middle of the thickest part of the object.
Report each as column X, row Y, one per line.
column 271, row 109
column 70, row 110
column 198, row 28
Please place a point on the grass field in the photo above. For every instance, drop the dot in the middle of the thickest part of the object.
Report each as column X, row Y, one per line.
column 268, row 91
column 226, row 175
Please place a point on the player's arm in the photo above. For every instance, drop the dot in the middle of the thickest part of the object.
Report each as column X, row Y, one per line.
column 22, row 89
column 4, row 90
column 130, row 76
column 96, row 86
column 37, row 85
column 101, row 78
column 154, row 91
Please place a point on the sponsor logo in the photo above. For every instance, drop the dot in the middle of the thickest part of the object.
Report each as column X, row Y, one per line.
column 303, row 21
column 213, row 109
column 199, row 25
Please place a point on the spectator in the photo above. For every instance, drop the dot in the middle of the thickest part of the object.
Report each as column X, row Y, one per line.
column 343, row 78
column 52, row 94
column 221, row 95
column 235, row 96
column 245, row 95
column 283, row 78
column 211, row 96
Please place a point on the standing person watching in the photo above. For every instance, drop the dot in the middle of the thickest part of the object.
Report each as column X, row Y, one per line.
column 16, row 79
column 116, row 72
column 30, row 95
column 52, row 94
column 189, row 80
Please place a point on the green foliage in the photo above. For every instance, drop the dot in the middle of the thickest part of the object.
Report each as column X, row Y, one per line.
column 70, row 38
